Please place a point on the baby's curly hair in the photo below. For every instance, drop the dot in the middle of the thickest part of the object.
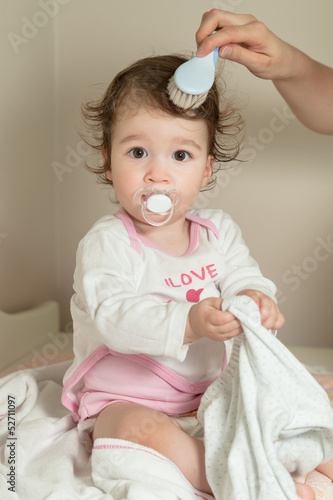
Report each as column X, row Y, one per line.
column 145, row 83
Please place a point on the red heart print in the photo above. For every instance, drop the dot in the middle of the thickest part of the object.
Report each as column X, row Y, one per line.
column 193, row 295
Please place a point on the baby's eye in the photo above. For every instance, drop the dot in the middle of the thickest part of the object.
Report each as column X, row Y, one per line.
column 181, row 156
column 138, row 153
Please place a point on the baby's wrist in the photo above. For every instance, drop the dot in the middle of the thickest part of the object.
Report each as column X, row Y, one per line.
column 190, row 331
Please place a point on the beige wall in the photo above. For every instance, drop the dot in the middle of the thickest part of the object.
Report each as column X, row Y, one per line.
column 27, row 187
column 282, row 198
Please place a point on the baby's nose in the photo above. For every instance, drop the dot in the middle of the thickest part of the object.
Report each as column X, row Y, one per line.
column 158, row 173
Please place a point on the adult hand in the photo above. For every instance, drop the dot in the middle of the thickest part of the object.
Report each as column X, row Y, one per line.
column 243, row 39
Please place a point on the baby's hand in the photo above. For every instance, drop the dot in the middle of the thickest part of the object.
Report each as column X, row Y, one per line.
column 206, row 319
column 271, row 317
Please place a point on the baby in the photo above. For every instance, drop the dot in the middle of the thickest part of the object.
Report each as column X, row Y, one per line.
column 149, row 332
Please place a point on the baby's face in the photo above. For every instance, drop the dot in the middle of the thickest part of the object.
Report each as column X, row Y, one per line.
column 153, row 149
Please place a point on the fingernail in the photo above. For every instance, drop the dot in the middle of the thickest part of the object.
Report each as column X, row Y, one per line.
column 226, row 52
column 200, row 51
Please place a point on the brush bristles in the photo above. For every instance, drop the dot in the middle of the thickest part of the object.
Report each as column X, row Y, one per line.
column 183, row 100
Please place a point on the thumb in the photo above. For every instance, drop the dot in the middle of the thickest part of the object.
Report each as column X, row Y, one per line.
column 215, row 302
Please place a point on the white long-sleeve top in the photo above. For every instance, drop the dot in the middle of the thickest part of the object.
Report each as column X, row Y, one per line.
column 133, row 298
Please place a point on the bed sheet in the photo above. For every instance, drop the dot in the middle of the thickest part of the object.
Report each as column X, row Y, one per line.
column 41, row 455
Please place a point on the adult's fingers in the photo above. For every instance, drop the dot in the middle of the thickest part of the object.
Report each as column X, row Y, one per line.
column 216, row 19
column 252, row 36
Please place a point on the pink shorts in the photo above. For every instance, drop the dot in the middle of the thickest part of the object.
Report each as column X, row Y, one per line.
column 117, row 378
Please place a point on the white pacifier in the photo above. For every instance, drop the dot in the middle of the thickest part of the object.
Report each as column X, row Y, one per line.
column 157, row 205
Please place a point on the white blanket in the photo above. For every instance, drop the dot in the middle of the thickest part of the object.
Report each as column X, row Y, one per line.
column 48, row 460
column 264, row 418
column 50, row 463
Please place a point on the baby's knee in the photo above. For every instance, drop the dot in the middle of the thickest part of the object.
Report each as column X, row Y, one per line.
column 143, row 426
column 132, row 422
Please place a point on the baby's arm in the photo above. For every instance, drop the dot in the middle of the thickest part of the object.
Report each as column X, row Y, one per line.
column 241, row 276
column 206, row 318
column 109, row 305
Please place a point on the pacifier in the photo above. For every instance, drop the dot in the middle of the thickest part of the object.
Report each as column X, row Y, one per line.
column 157, row 205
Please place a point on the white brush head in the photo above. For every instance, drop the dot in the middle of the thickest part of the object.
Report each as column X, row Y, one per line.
column 189, row 86
column 182, row 99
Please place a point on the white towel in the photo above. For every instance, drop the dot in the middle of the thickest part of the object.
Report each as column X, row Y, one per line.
column 264, row 418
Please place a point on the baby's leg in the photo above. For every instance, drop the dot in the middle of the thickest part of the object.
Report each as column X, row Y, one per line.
column 156, row 430
column 305, row 491
column 326, row 468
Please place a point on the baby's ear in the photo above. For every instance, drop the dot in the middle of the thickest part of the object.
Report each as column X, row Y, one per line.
column 211, row 160
column 208, row 170
column 109, row 174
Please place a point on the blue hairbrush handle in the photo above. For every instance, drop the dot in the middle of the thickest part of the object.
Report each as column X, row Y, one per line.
column 197, row 75
column 215, row 55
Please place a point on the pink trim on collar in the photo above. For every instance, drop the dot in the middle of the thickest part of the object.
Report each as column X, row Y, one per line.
column 205, row 223
column 194, row 232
